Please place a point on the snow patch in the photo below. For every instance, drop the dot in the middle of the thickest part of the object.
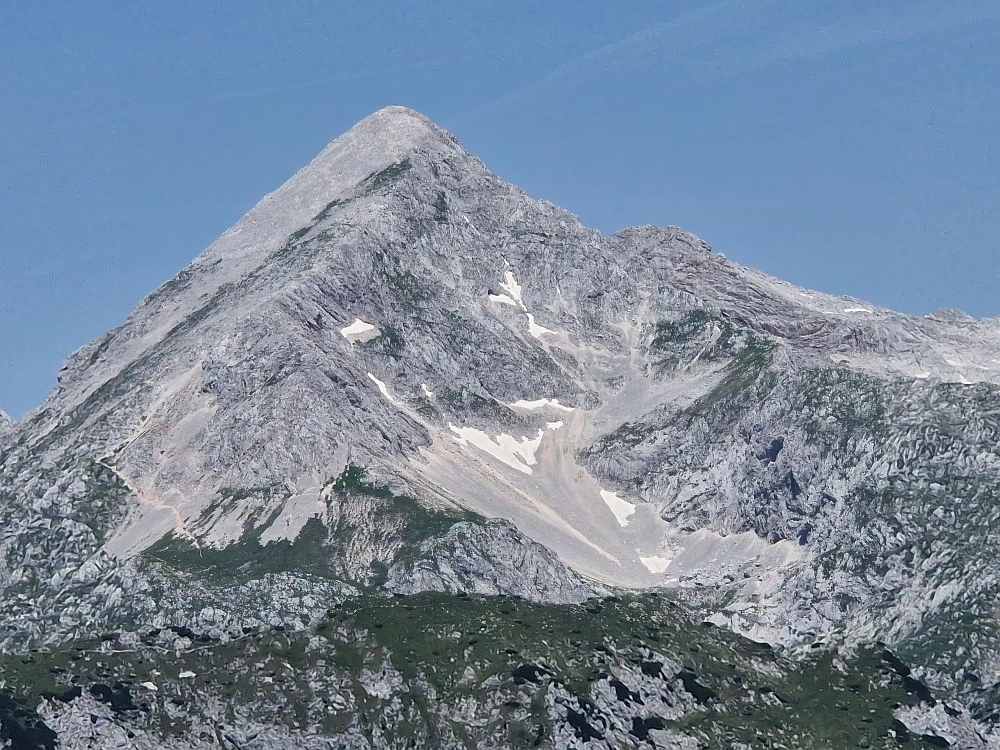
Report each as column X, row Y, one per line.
column 540, row 404
column 655, row 564
column 381, row 387
column 536, row 330
column 427, row 391
column 858, row 310
column 149, row 686
column 554, row 425
column 187, row 674
column 513, row 297
column 359, row 331
column 512, row 288
column 619, row 507
column 517, row 453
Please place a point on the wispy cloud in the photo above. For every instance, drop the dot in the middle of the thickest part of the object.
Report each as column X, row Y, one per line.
column 606, row 54
column 805, row 39
column 733, row 37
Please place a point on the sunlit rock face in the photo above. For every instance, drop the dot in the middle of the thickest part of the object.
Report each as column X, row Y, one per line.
column 398, row 373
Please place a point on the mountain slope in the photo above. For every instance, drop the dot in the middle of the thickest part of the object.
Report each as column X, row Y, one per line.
column 479, row 672
column 399, row 373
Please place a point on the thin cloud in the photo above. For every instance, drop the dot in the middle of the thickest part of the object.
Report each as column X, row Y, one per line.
column 604, row 52
column 933, row 21
column 729, row 38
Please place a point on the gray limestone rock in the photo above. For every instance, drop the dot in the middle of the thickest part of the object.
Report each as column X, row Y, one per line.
column 490, row 558
column 399, row 372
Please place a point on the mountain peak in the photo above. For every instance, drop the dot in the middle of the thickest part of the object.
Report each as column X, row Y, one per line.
column 389, row 136
column 397, row 124
column 381, row 139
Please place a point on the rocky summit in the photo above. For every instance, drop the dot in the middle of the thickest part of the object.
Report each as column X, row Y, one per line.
column 409, row 458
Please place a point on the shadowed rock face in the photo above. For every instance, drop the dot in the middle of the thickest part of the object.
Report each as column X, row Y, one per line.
column 396, row 346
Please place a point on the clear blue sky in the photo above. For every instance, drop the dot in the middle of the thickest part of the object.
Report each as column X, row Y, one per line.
column 848, row 145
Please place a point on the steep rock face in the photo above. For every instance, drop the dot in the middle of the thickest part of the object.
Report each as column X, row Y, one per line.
column 396, row 346
column 6, row 423
column 488, row 559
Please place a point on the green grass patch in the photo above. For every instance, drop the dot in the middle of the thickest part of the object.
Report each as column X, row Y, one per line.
column 364, row 521
column 520, row 654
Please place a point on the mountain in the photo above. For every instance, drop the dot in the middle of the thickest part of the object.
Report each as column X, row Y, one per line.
column 409, row 456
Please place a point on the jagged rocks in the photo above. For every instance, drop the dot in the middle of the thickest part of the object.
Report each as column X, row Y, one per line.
column 489, row 558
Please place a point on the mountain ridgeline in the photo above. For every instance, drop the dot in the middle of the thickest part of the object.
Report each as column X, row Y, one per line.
column 407, row 456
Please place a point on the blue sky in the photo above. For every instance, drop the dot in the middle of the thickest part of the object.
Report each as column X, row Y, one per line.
column 847, row 146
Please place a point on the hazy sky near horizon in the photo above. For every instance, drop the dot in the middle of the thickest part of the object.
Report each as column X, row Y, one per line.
column 849, row 146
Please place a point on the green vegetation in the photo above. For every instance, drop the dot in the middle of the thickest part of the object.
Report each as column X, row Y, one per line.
column 669, row 334
column 709, row 338
column 747, row 376
column 328, row 209
column 747, row 382
column 386, row 177
column 427, row 409
column 530, row 670
column 298, row 234
column 839, row 404
column 407, row 290
column 122, row 383
column 382, row 529
column 441, row 207
column 247, row 559
column 627, row 436
column 202, row 312
column 703, row 336
column 389, row 343
column 465, row 400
